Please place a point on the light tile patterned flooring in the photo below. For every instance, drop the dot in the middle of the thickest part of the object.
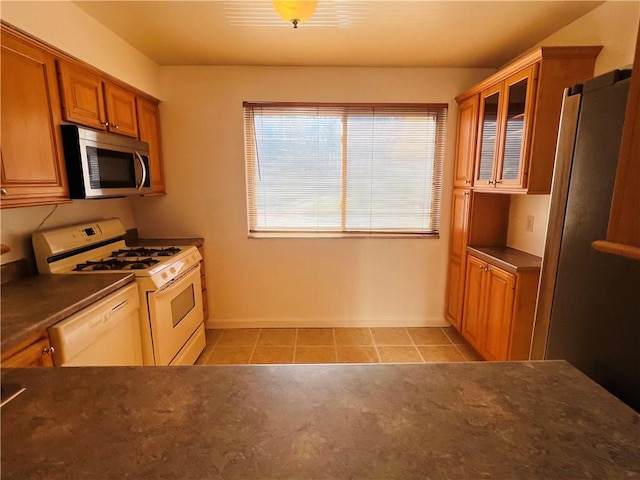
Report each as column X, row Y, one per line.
column 335, row 345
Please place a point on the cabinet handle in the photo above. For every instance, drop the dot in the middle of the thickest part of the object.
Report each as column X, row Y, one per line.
column 467, row 181
column 48, row 351
column 104, row 124
column 3, row 191
column 498, row 181
column 465, row 194
column 116, row 126
column 490, row 182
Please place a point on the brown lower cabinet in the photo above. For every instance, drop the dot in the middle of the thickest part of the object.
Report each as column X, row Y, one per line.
column 33, row 352
column 498, row 310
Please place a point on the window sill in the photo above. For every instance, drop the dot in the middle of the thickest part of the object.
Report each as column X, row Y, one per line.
column 321, row 235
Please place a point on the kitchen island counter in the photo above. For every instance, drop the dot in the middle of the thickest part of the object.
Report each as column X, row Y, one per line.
column 32, row 304
column 458, row 420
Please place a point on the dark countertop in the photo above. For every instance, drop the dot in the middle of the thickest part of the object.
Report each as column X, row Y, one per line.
column 133, row 240
column 515, row 420
column 507, row 258
column 32, row 304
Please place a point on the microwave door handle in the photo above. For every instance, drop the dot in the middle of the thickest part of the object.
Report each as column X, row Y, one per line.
column 144, row 170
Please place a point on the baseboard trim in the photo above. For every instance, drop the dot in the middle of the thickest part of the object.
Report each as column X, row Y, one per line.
column 320, row 323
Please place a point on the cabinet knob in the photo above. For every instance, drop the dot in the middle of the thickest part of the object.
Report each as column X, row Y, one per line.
column 490, row 182
column 115, row 126
column 467, row 181
column 498, row 181
column 3, row 191
column 466, row 194
column 104, row 124
column 48, row 351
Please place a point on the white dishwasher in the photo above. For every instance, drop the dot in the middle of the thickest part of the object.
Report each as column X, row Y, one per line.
column 106, row 333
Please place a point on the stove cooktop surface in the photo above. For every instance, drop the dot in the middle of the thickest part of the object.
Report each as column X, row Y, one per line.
column 129, row 258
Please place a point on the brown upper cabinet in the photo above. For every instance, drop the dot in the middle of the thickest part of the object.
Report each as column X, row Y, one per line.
column 466, row 142
column 89, row 99
column 517, row 123
column 42, row 87
column 33, row 170
column 504, row 118
column 149, row 131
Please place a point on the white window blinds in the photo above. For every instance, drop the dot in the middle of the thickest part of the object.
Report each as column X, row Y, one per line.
column 344, row 169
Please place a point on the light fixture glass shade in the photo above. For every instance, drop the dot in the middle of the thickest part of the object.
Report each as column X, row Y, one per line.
column 295, row 11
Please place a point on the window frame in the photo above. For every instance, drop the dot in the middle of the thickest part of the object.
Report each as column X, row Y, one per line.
column 438, row 170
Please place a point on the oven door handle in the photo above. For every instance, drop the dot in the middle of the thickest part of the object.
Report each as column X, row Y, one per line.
column 144, row 170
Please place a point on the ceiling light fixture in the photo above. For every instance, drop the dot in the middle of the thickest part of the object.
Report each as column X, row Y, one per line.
column 295, row 11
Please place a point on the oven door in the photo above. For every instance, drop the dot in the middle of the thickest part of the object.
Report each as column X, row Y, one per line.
column 175, row 313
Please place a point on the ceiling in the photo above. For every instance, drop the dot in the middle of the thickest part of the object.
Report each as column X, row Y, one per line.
column 386, row 33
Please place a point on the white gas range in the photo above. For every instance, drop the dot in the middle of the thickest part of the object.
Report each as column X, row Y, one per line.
column 168, row 279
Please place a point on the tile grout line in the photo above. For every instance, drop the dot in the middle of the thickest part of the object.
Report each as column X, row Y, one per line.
column 375, row 345
column 415, row 346
column 213, row 347
column 255, row 345
column 466, row 359
column 295, row 347
column 217, row 339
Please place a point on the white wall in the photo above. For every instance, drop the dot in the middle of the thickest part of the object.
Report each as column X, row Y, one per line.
column 292, row 281
column 614, row 25
column 64, row 25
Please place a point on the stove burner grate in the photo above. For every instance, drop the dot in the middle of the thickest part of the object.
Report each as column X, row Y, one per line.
column 115, row 264
column 145, row 252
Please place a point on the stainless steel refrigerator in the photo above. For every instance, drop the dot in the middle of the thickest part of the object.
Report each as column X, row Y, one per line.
column 588, row 310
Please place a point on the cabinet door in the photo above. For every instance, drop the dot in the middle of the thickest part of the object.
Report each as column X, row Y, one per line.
column 149, row 131
column 498, row 313
column 460, row 222
column 457, row 255
column 488, row 137
column 455, row 292
column 474, row 301
column 121, row 110
column 466, row 142
column 35, row 355
column 33, row 170
column 82, row 96
column 518, row 105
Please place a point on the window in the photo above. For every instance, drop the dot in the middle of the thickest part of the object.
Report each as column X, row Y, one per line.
column 327, row 169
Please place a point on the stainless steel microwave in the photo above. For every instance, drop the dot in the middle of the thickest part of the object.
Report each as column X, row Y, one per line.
column 103, row 165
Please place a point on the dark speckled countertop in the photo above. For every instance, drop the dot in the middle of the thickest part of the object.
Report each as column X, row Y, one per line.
column 517, row 420
column 507, row 258
column 132, row 239
column 32, row 304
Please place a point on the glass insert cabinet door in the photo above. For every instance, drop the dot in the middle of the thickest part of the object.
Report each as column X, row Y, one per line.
column 488, row 136
column 519, row 92
column 505, row 115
